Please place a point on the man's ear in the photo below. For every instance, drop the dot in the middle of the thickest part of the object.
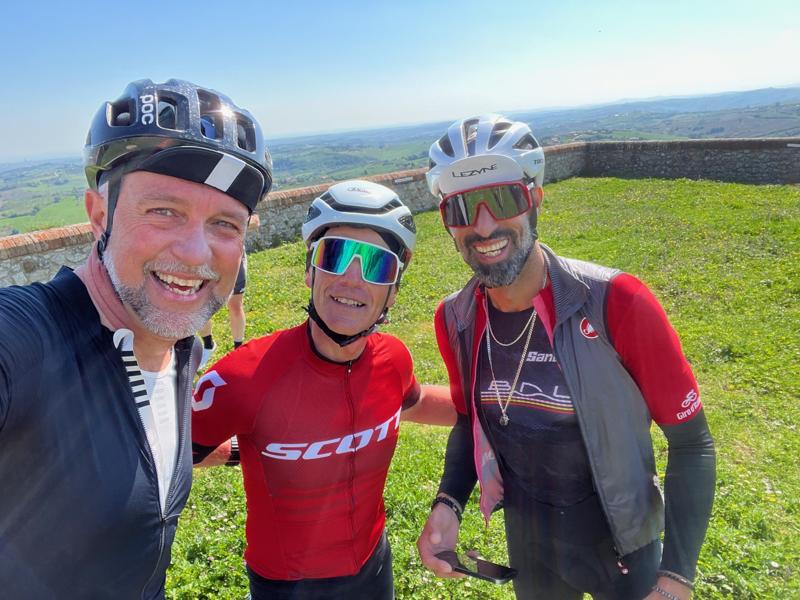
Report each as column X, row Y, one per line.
column 537, row 194
column 391, row 297
column 96, row 209
column 308, row 277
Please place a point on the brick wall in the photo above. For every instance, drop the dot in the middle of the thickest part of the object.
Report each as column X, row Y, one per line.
column 36, row 256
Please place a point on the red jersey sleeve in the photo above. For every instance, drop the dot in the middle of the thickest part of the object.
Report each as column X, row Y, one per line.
column 226, row 398
column 404, row 363
column 449, row 359
column 651, row 351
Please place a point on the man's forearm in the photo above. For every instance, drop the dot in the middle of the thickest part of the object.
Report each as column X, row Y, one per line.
column 689, row 494
column 226, row 454
column 434, row 407
column 459, row 475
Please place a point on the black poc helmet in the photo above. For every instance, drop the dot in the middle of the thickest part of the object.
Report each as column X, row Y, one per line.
column 179, row 129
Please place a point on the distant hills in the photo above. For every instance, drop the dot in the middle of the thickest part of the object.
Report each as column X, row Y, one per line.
column 42, row 194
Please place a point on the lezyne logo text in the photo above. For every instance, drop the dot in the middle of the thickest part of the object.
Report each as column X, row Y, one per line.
column 472, row 172
column 340, row 445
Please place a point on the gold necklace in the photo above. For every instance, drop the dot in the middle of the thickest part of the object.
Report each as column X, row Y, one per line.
column 504, row 405
column 516, row 339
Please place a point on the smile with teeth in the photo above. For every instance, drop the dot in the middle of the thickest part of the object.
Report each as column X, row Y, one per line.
column 347, row 301
column 183, row 287
column 492, row 249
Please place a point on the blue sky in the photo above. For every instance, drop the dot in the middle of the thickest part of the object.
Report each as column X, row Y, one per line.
column 308, row 66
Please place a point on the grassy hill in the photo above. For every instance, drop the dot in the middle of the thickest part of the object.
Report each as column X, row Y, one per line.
column 723, row 260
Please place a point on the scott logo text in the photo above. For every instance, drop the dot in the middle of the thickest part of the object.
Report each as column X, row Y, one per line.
column 340, row 445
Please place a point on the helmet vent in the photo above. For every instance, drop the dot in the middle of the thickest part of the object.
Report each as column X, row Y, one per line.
column 446, row 146
column 498, row 132
column 119, row 113
column 167, row 113
column 313, row 213
column 527, row 142
column 407, row 221
column 245, row 133
column 470, row 134
column 210, row 118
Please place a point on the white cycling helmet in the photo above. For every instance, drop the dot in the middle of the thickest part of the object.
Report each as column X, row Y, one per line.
column 364, row 204
column 484, row 150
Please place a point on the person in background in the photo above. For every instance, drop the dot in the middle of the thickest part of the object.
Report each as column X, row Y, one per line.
column 236, row 317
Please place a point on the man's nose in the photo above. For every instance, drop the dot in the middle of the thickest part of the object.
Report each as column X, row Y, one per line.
column 353, row 272
column 192, row 245
column 484, row 224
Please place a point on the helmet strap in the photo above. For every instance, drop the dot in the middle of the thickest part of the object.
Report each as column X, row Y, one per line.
column 114, row 182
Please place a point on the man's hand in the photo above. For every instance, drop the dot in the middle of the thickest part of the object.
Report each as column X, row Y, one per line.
column 440, row 533
column 219, row 456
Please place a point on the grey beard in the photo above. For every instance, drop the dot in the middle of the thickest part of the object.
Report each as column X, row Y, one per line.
column 174, row 325
column 505, row 273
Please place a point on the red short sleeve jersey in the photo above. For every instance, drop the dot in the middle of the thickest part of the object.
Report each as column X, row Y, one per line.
column 316, row 439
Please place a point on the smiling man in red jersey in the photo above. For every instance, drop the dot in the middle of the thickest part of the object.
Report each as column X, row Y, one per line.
column 96, row 366
column 557, row 368
column 316, row 408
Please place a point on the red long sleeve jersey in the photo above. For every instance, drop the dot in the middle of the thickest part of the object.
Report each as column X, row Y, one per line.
column 316, row 439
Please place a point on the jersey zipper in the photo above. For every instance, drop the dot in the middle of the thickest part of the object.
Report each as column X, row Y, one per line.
column 152, row 463
column 352, row 460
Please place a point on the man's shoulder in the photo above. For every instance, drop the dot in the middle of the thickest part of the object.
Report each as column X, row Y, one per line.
column 40, row 307
column 583, row 269
column 390, row 343
column 268, row 351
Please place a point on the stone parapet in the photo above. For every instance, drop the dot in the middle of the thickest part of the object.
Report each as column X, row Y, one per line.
column 769, row 160
column 36, row 256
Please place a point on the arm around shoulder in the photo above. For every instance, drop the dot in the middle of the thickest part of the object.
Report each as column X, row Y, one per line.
column 434, row 407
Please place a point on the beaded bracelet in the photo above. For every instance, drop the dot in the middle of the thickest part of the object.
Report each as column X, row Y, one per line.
column 448, row 502
column 675, row 577
column 665, row 593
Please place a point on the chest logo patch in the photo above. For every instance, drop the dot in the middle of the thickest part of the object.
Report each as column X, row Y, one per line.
column 587, row 330
column 204, row 390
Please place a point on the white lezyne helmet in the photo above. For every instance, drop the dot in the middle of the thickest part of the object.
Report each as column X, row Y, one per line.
column 363, row 204
column 484, row 150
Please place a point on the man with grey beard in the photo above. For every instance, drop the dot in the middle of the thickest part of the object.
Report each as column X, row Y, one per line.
column 557, row 368
column 96, row 366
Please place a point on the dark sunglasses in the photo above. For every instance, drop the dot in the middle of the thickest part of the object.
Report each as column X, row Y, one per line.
column 502, row 200
column 334, row 255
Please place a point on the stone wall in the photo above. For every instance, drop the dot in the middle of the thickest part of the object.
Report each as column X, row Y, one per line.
column 282, row 213
column 564, row 161
column 36, row 256
column 775, row 160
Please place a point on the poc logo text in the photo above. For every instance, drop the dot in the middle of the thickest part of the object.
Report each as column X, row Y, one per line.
column 148, row 108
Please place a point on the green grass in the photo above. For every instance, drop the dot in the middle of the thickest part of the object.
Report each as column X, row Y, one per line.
column 724, row 259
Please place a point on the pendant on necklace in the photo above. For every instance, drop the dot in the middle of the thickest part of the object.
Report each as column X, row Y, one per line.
column 504, row 420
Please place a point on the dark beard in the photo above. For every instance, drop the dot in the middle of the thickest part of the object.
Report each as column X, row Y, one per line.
column 506, row 272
